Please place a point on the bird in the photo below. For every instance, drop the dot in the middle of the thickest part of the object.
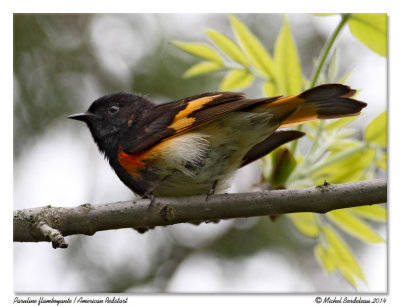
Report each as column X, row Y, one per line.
column 194, row 146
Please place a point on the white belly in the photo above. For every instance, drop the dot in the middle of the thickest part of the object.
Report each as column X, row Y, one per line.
column 212, row 152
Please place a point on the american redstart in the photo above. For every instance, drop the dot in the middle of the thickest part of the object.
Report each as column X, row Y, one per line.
column 194, row 146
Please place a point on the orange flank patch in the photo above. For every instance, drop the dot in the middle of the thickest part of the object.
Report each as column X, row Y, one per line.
column 132, row 163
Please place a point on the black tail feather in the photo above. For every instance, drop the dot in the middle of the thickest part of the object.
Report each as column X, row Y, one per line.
column 268, row 145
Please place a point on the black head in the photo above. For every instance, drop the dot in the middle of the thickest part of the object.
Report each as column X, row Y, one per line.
column 111, row 114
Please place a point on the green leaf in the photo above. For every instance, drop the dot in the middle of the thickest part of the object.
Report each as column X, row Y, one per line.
column 342, row 256
column 353, row 225
column 344, row 269
column 306, row 82
column 343, row 79
column 283, row 165
column 202, row 68
column 324, row 259
column 312, row 125
column 324, row 14
column 341, row 145
column 374, row 212
column 331, row 254
column 288, row 77
column 382, row 161
column 266, row 167
column 347, row 273
column 376, row 131
column 332, row 69
column 370, row 29
column 236, row 79
column 200, row 50
column 270, row 89
column 340, row 123
column 228, row 47
column 305, row 223
column 345, row 134
column 259, row 56
column 347, row 165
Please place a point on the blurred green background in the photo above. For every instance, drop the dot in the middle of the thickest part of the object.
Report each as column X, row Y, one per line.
column 62, row 62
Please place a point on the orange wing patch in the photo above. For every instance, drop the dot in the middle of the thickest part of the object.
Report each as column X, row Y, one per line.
column 292, row 101
column 182, row 121
column 193, row 106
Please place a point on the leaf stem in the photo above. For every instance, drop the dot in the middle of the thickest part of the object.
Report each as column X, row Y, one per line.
column 324, row 56
column 345, row 18
column 334, row 159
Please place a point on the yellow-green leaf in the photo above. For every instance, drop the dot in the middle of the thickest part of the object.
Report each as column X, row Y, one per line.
column 347, row 165
column 200, row 50
column 341, row 255
column 382, row 161
column 343, row 79
column 322, row 256
column 266, row 167
column 345, row 134
column 374, row 212
column 347, row 273
column 312, row 125
column 259, row 56
column 340, row 123
column 283, row 165
column 269, row 89
column 370, row 29
column 228, row 46
column 332, row 69
column 337, row 262
column 288, row 76
column 324, row 14
column 305, row 223
column 353, row 225
column 202, row 68
column 236, row 79
column 376, row 131
column 341, row 145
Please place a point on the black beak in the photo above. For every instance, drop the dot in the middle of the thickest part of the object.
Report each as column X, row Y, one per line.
column 85, row 117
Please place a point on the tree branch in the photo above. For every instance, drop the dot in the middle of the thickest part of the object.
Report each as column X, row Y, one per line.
column 47, row 223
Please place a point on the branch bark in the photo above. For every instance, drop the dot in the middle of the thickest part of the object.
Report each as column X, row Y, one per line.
column 47, row 223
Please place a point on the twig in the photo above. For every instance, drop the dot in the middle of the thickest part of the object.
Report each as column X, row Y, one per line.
column 52, row 234
column 88, row 219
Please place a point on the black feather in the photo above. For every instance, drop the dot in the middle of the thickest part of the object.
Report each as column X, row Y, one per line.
column 268, row 145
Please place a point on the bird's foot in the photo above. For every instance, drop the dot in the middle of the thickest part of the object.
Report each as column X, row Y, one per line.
column 150, row 195
column 212, row 189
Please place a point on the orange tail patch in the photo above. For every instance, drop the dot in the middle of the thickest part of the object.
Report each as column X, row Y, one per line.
column 327, row 101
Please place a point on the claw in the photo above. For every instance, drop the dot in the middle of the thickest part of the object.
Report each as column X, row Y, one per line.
column 149, row 195
column 212, row 189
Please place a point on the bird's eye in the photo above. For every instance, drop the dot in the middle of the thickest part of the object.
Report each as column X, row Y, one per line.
column 113, row 110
